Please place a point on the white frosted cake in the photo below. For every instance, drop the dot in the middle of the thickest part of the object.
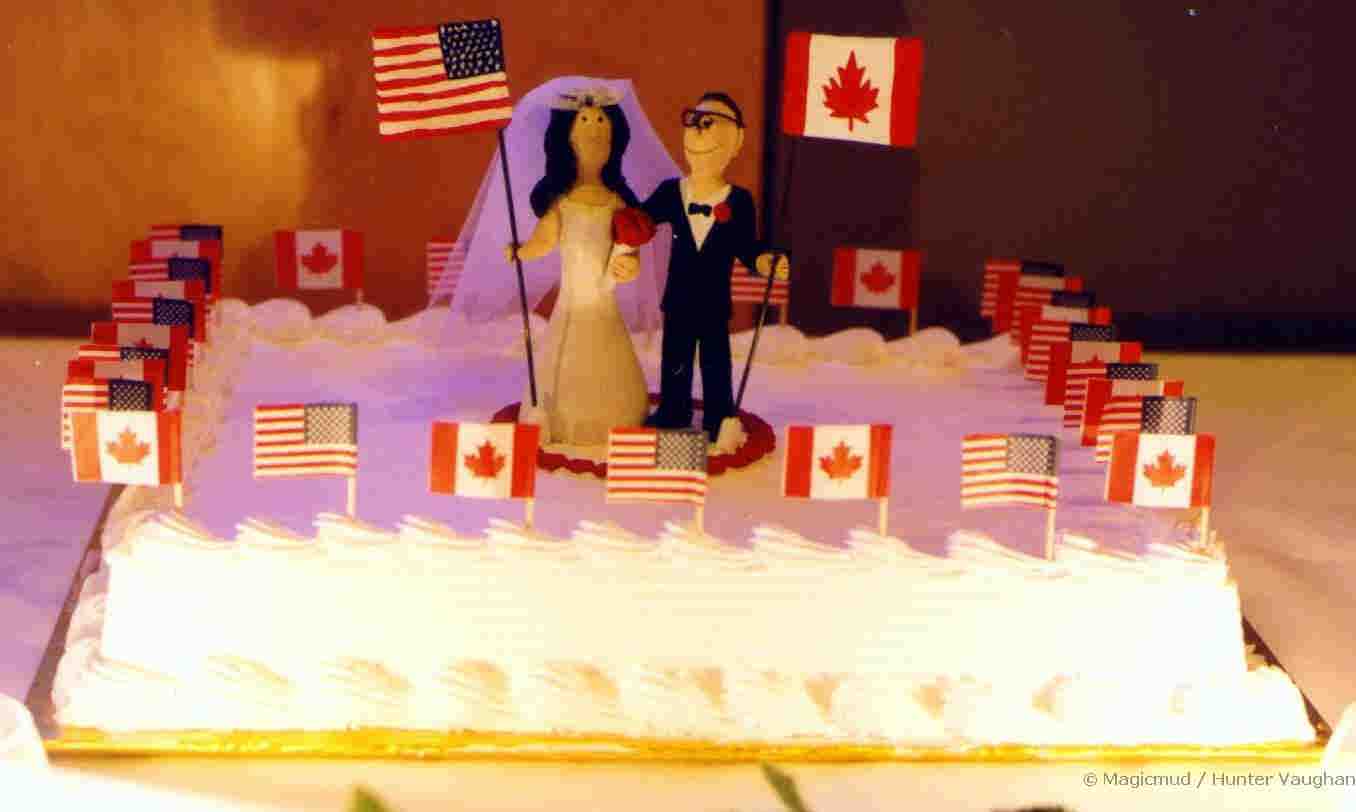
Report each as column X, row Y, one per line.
column 260, row 609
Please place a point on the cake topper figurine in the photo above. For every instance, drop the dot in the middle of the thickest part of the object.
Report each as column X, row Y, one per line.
column 714, row 224
column 589, row 375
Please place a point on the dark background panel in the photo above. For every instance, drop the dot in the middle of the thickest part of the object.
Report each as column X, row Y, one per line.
column 1174, row 154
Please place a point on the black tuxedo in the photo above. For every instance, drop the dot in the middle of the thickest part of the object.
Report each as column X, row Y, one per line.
column 696, row 303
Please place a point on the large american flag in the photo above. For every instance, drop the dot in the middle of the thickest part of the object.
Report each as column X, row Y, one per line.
column 747, row 288
column 436, row 80
column 1009, row 469
column 656, row 465
column 1045, row 334
column 445, row 259
column 305, row 439
column 92, row 394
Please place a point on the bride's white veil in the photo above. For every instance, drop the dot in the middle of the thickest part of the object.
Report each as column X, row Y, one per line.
column 487, row 288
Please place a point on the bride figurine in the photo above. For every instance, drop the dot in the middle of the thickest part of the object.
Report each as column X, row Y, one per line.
column 588, row 376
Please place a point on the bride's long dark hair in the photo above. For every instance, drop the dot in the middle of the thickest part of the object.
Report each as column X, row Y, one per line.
column 562, row 168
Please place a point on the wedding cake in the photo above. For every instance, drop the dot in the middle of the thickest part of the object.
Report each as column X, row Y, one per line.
column 260, row 609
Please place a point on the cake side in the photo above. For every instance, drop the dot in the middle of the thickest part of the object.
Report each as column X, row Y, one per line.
column 781, row 638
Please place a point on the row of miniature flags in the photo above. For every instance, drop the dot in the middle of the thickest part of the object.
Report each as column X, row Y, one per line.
column 873, row 278
column 122, row 400
column 1142, row 426
column 498, row 460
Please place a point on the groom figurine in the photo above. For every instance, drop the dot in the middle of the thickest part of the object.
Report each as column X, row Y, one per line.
column 713, row 224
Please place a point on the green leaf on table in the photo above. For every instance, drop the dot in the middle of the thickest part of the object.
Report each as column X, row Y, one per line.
column 785, row 787
column 365, row 801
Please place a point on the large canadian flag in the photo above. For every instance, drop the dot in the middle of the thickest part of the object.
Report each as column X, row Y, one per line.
column 484, row 460
column 837, row 462
column 1161, row 470
column 133, row 448
column 319, row 260
column 852, row 88
column 881, row 278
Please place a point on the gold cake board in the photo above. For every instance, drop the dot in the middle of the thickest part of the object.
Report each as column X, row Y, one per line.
column 383, row 743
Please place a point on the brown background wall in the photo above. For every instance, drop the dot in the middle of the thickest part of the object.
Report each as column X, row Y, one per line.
column 260, row 115
column 1182, row 157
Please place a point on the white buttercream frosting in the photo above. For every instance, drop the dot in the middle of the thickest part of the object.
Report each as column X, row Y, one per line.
column 778, row 637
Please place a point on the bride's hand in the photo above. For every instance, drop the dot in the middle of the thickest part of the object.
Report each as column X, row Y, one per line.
column 624, row 267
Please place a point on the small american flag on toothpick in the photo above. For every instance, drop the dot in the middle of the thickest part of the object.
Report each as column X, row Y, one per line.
column 445, row 259
column 1012, row 469
column 307, row 439
column 657, row 465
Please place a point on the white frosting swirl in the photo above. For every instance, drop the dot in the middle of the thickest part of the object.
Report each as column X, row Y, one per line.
column 353, row 324
column 467, row 695
column 281, row 321
column 665, row 702
column 568, row 697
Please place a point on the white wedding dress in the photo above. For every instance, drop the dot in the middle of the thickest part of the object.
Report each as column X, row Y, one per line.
column 589, row 379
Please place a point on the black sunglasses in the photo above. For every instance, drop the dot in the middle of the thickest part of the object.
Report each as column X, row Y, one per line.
column 705, row 119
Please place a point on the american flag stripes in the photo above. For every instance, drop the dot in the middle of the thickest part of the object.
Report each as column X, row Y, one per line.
column 656, row 465
column 1046, row 334
column 156, row 340
column 1008, row 280
column 445, row 259
column 158, row 310
column 1074, row 363
column 187, row 231
column 305, row 439
column 1009, row 469
column 173, row 269
column 748, row 288
column 1119, row 407
column 436, row 80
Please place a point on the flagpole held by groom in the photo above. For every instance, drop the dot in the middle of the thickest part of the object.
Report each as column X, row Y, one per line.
column 714, row 223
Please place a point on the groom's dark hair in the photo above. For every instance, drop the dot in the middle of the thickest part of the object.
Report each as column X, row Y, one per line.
column 724, row 98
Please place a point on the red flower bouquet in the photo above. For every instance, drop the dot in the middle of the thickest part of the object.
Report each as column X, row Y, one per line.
column 632, row 227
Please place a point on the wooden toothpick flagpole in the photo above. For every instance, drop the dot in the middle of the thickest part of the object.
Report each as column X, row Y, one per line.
column 527, row 513
column 1050, row 533
column 179, row 495
column 771, row 276
column 1204, row 525
column 883, row 515
column 518, row 264
column 353, row 496
column 913, row 319
column 697, row 520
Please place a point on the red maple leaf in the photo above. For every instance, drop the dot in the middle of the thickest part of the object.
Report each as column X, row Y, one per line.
column 128, row 450
column 485, row 463
column 848, row 96
column 843, row 464
column 319, row 260
column 878, row 279
column 1164, row 473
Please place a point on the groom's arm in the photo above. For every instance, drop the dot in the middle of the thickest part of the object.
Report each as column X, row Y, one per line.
column 657, row 205
column 747, row 244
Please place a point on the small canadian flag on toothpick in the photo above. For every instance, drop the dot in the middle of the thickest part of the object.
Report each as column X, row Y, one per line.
column 485, row 461
column 319, row 260
column 129, row 447
column 839, row 462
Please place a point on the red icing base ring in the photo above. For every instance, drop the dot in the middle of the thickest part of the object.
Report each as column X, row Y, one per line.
column 759, row 442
